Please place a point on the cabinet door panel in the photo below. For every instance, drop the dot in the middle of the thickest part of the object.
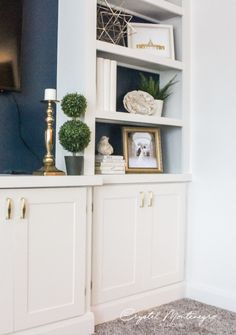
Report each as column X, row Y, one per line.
column 117, row 233
column 115, row 258
column 50, row 257
column 6, row 269
column 167, row 235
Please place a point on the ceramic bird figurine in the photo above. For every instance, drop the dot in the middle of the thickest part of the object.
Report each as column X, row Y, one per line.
column 104, row 147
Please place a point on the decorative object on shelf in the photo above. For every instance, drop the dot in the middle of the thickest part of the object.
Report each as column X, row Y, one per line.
column 49, row 168
column 140, row 102
column 74, row 135
column 149, row 85
column 112, row 23
column 104, row 147
column 106, row 84
column 154, row 38
column 142, row 150
column 109, row 164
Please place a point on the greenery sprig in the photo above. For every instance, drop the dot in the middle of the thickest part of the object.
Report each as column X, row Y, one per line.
column 74, row 136
column 149, row 85
column 74, row 105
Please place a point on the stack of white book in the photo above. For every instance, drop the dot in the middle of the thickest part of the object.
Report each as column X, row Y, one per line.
column 106, row 84
column 109, row 164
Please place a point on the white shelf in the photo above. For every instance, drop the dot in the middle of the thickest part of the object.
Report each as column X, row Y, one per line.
column 135, row 119
column 137, row 58
column 146, row 178
column 154, row 9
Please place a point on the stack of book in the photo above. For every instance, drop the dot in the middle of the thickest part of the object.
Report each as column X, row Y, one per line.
column 109, row 164
column 106, row 84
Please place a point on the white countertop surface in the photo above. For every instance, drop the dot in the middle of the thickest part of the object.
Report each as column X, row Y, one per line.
column 29, row 181
column 147, row 178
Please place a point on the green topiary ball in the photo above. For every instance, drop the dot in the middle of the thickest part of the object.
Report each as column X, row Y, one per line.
column 74, row 136
column 74, row 105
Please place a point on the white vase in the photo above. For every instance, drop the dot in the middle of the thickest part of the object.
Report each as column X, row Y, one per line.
column 159, row 107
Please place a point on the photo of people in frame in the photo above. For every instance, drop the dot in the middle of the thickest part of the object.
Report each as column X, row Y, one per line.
column 142, row 149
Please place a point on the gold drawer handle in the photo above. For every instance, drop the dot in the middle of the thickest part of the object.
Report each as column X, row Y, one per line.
column 141, row 200
column 150, row 199
column 9, row 209
column 23, row 209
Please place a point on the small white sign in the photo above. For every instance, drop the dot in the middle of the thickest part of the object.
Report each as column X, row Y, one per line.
column 154, row 38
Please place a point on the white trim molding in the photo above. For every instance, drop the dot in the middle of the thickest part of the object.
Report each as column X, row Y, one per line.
column 82, row 325
column 138, row 302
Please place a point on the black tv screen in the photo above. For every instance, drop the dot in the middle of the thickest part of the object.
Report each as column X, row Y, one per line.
column 10, row 44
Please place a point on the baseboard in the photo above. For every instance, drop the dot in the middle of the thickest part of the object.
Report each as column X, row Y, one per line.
column 80, row 325
column 212, row 296
column 139, row 302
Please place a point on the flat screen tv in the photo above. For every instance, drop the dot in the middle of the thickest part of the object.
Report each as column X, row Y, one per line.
column 10, row 44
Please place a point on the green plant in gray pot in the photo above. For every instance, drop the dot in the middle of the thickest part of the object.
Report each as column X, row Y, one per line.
column 149, row 85
column 74, row 135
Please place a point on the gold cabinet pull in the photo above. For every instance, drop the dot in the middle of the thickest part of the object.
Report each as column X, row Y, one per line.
column 9, row 209
column 23, row 209
column 141, row 200
column 150, row 199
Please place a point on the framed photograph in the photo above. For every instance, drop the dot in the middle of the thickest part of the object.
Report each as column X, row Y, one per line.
column 142, row 150
column 157, row 39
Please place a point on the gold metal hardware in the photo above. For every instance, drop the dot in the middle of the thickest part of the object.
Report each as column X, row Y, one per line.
column 23, row 209
column 150, row 199
column 141, row 200
column 9, row 209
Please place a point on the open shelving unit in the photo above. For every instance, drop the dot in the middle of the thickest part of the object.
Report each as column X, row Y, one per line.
column 173, row 125
column 175, row 122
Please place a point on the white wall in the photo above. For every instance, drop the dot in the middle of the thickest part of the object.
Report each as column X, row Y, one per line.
column 211, row 270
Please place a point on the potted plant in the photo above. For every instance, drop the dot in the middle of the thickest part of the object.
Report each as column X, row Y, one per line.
column 149, row 85
column 74, row 135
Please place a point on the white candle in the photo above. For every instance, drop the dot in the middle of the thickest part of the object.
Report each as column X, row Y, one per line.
column 50, row 94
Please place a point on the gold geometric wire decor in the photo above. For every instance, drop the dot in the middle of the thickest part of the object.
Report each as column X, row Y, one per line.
column 112, row 23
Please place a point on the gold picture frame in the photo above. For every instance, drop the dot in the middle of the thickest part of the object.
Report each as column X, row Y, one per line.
column 142, row 150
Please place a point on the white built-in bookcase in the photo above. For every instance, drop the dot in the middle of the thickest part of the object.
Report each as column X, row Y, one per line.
column 77, row 52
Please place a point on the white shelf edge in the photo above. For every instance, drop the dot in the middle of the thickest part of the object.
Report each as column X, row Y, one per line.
column 167, row 6
column 137, row 57
column 163, row 9
column 29, row 181
column 135, row 119
column 146, row 178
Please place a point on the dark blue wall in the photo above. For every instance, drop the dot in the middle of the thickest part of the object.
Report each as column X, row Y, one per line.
column 39, row 62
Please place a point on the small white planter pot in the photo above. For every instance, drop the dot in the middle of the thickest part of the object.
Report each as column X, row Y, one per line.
column 159, row 108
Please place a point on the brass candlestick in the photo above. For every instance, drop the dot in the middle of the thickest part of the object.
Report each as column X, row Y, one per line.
column 49, row 168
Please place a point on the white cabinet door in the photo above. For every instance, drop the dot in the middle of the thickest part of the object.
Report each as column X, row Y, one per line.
column 6, row 267
column 50, row 256
column 138, row 239
column 166, row 234
column 118, row 242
